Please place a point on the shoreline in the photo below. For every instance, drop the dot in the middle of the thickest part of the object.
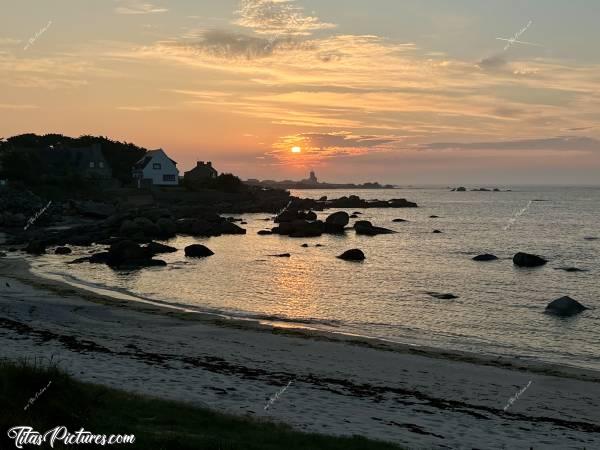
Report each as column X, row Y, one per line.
column 23, row 272
column 337, row 385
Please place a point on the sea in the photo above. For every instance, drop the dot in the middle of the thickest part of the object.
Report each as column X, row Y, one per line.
column 499, row 309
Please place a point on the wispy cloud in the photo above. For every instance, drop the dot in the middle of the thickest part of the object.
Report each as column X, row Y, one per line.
column 17, row 106
column 278, row 17
column 563, row 143
column 137, row 7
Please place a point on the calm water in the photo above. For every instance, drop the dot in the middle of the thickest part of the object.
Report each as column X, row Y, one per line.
column 499, row 309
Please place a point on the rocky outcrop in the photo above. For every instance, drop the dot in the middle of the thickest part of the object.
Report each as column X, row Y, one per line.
column 353, row 255
column 129, row 254
column 92, row 209
column 528, row 260
column 198, row 251
column 565, row 307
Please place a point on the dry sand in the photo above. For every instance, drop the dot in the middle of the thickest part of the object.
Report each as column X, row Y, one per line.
column 420, row 398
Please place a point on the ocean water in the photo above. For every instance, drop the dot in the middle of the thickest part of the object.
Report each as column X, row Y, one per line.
column 499, row 309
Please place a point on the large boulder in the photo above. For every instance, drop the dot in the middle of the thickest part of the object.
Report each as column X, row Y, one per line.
column 94, row 209
column 565, row 307
column 198, row 251
column 353, row 255
column 527, row 260
column 339, row 219
column 128, row 254
column 366, row 228
column 485, row 257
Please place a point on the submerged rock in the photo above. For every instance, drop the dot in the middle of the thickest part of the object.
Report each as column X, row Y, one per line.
column 366, row 228
column 433, row 216
column 485, row 257
column 528, row 260
column 399, row 220
column 198, row 251
column 353, row 255
column 436, row 232
column 571, row 269
column 281, row 255
column 442, row 296
column 264, row 232
column 565, row 307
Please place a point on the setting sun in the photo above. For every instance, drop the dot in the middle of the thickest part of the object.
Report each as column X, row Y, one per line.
column 296, row 150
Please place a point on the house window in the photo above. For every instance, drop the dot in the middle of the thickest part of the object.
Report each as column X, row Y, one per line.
column 101, row 165
column 92, row 165
column 156, row 166
column 168, row 177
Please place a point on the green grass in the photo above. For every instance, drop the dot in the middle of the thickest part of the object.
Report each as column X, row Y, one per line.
column 156, row 424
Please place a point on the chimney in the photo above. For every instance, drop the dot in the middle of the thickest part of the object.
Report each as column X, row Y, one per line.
column 199, row 163
column 209, row 164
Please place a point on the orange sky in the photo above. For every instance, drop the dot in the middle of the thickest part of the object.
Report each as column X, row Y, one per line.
column 241, row 83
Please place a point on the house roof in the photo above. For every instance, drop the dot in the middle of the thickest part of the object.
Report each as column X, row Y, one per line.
column 142, row 163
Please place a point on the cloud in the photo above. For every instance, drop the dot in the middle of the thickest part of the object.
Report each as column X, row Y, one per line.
column 278, row 17
column 136, row 7
column 149, row 108
column 319, row 146
column 232, row 45
column 493, row 63
column 564, row 143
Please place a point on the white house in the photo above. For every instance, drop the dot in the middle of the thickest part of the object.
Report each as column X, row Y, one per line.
column 157, row 169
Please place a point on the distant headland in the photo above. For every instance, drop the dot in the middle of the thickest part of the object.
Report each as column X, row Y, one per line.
column 312, row 182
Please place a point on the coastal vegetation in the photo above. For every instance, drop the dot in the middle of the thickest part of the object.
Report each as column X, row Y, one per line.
column 44, row 397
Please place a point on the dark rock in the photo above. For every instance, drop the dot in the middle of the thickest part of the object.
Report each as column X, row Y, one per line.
column 79, row 261
column 571, row 269
column 334, row 228
column 127, row 253
column 433, row 216
column 62, row 251
column 565, row 307
column 264, row 232
column 485, row 257
column 2, row 255
column 231, row 228
column 319, row 245
column 591, row 238
column 366, row 228
column 528, row 260
column 353, row 216
column 281, row 255
column 94, row 209
column 99, row 258
column 304, row 245
column 36, row 247
column 436, row 232
column 340, row 218
column 198, row 251
column 167, row 227
column 157, row 248
column 442, row 296
column 356, row 213
column 352, row 255
column 311, row 215
column 399, row 220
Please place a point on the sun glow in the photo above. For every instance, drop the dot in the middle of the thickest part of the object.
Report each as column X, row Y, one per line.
column 296, row 150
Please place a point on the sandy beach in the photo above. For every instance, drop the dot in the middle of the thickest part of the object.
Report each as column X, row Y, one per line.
column 341, row 385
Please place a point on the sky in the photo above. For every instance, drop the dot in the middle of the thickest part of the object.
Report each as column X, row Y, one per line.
column 396, row 91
